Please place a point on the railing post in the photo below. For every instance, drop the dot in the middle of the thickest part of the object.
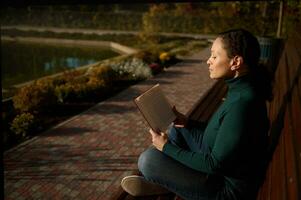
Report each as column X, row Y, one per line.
column 279, row 28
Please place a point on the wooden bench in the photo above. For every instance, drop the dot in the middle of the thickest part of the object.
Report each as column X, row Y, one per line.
column 283, row 172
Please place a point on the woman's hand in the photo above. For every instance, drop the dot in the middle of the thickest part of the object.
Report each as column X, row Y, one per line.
column 159, row 139
column 181, row 119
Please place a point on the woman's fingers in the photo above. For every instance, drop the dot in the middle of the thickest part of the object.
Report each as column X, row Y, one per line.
column 151, row 132
column 159, row 139
column 155, row 133
column 179, row 125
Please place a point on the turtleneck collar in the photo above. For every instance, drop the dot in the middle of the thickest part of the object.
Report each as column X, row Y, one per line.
column 238, row 83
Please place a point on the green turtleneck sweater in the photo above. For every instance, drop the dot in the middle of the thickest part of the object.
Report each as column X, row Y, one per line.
column 233, row 142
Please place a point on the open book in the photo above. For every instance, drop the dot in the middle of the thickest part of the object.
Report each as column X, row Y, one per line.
column 155, row 108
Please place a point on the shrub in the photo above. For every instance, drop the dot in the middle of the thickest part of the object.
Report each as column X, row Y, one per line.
column 35, row 97
column 103, row 72
column 167, row 59
column 83, row 86
column 65, row 92
column 147, row 56
column 72, row 76
column 164, row 57
column 77, row 86
column 72, row 92
column 155, row 68
column 155, row 60
column 22, row 124
column 133, row 67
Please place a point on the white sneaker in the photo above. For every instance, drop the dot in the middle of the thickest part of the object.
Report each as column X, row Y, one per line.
column 139, row 186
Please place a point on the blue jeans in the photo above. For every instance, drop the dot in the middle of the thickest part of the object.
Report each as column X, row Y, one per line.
column 187, row 183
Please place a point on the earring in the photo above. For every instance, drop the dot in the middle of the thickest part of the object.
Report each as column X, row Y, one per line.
column 233, row 68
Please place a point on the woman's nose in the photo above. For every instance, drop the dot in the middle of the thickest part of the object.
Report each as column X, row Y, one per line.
column 208, row 62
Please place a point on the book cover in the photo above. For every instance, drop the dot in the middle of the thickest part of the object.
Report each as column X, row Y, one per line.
column 155, row 108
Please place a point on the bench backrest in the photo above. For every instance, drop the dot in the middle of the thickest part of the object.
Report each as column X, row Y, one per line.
column 282, row 179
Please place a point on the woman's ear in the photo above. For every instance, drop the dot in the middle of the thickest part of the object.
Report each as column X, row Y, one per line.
column 236, row 63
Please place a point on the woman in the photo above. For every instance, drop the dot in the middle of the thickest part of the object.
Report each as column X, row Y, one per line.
column 223, row 159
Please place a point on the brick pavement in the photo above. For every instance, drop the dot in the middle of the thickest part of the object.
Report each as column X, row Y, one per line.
column 86, row 156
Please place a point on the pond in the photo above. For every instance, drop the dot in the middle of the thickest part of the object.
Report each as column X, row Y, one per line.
column 22, row 62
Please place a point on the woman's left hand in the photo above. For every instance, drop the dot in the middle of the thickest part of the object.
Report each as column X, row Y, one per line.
column 159, row 139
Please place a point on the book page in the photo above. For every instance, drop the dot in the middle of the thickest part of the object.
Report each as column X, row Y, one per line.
column 155, row 108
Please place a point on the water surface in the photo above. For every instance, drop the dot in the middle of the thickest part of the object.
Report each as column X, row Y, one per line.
column 21, row 62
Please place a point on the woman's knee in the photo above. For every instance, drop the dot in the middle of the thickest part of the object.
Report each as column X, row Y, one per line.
column 148, row 161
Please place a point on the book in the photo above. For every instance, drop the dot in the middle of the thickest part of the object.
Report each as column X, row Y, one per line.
column 155, row 108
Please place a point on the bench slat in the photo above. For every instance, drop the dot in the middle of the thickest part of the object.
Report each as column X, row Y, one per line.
column 284, row 171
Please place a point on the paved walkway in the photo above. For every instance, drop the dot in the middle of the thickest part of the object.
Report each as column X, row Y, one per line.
column 87, row 156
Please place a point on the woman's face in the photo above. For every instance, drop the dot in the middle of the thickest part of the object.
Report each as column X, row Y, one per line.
column 219, row 62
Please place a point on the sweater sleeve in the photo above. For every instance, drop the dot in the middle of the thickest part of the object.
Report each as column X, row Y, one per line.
column 226, row 146
column 196, row 124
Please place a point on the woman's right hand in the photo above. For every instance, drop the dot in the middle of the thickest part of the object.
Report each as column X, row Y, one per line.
column 181, row 119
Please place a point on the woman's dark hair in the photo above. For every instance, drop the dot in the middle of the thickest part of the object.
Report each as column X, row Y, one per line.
column 242, row 43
